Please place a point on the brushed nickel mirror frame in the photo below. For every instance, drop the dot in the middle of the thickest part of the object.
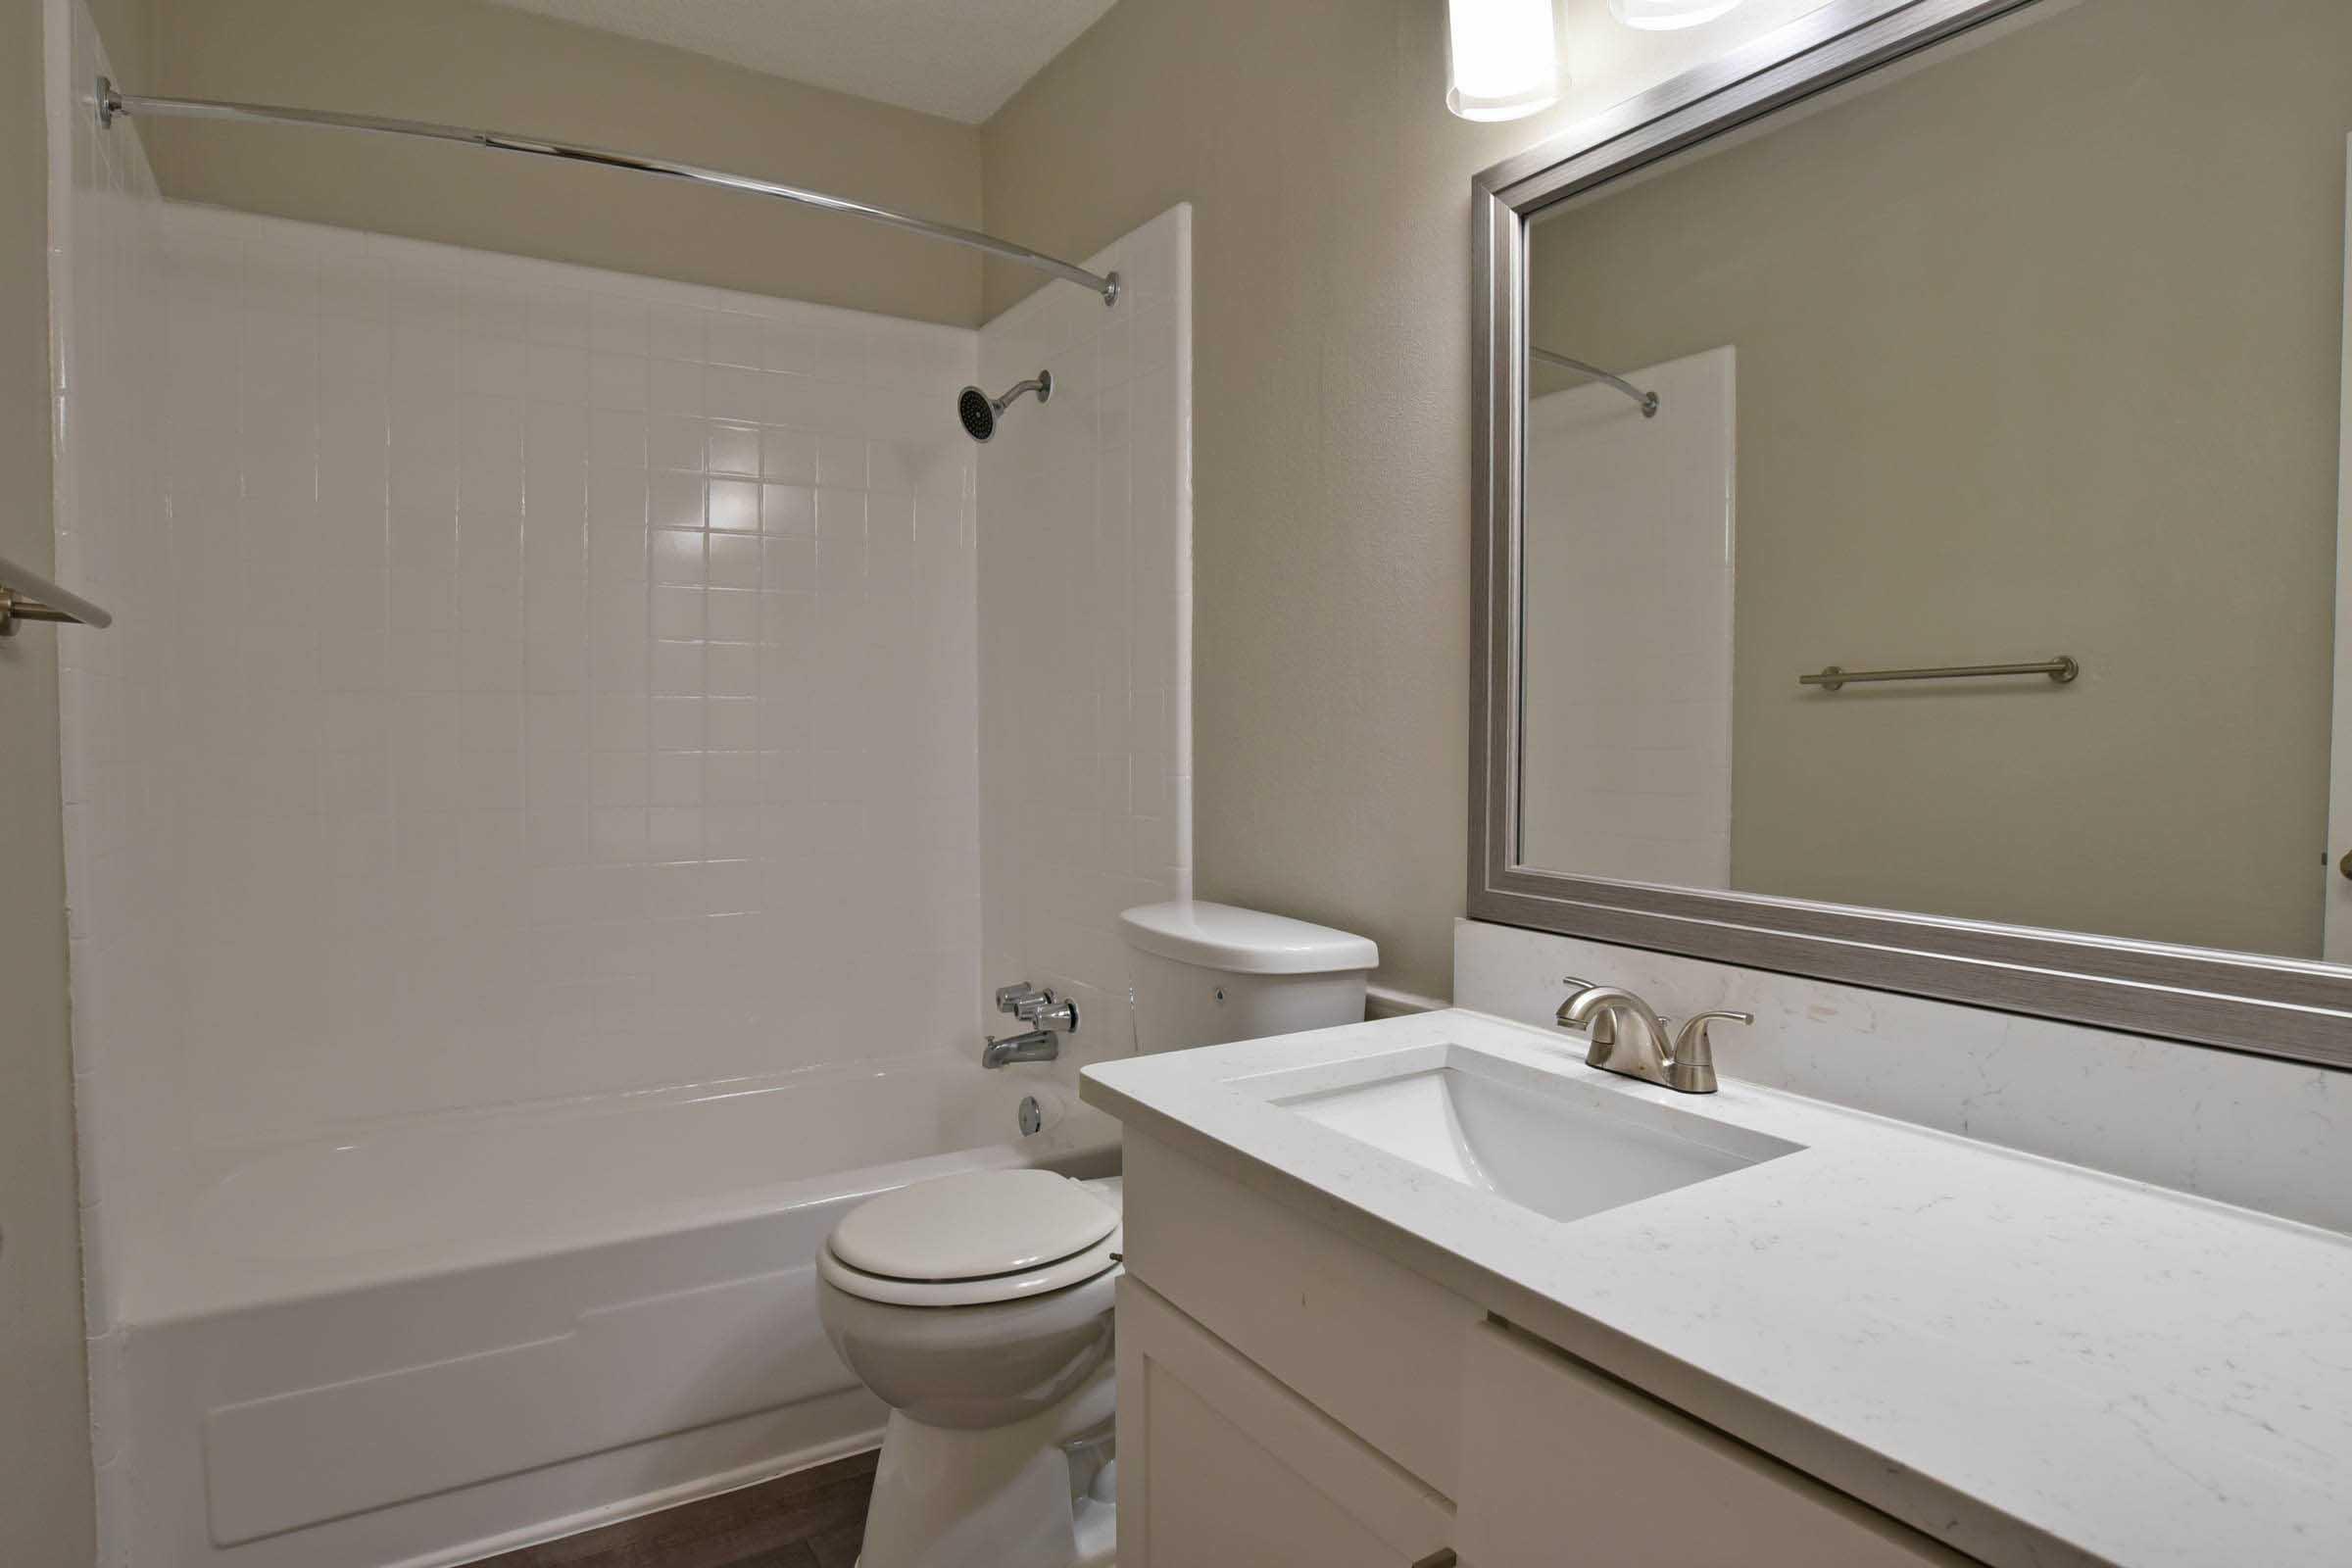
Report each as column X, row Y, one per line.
column 2298, row 1009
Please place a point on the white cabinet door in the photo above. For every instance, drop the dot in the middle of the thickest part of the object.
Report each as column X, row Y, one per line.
column 1222, row 1467
column 1362, row 1339
column 1564, row 1468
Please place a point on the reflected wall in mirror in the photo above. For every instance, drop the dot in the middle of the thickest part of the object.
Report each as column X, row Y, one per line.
column 2032, row 346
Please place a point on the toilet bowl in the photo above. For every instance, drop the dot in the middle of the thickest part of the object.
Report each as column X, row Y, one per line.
column 979, row 1306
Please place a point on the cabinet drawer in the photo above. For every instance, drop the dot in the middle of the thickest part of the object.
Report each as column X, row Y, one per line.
column 1222, row 1467
column 1566, row 1468
column 1371, row 1343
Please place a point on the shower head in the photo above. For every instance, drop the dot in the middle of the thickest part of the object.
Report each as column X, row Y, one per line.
column 979, row 412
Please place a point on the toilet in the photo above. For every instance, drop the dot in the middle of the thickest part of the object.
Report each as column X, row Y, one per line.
column 978, row 1305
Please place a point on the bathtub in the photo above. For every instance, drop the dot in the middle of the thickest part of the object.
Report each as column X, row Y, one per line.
column 420, row 1343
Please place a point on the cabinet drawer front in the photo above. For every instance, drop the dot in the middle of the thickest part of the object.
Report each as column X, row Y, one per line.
column 1566, row 1468
column 1222, row 1467
column 1371, row 1343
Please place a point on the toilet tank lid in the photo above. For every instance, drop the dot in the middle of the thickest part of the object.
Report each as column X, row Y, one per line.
column 1218, row 936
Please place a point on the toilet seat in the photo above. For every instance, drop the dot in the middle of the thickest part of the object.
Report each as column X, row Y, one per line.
column 973, row 1238
column 1061, row 1274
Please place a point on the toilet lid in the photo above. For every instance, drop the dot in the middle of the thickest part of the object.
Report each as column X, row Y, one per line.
column 972, row 1225
column 1089, row 1263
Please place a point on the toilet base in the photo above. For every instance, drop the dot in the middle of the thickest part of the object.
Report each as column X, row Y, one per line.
column 1033, row 1493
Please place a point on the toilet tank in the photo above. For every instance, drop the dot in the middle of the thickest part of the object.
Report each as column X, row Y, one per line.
column 1206, row 973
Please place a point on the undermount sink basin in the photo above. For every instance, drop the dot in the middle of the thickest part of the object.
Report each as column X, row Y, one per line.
column 1556, row 1146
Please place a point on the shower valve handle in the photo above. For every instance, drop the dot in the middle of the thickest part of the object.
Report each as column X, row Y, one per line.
column 1045, row 1011
column 1013, row 998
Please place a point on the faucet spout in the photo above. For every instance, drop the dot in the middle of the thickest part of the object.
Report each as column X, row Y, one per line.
column 1583, row 1005
column 1628, row 1035
column 1038, row 1045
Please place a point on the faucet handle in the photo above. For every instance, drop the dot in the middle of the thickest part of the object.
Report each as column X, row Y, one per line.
column 1047, row 1012
column 1693, row 1064
column 1009, row 998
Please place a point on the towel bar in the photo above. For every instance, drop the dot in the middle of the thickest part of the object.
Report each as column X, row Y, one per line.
column 27, row 595
column 2060, row 670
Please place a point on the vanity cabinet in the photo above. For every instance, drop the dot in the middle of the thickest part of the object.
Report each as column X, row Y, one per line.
column 1220, row 1464
column 1562, row 1464
column 1289, row 1398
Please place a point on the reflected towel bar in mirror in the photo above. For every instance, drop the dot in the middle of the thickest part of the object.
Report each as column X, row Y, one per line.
column 2060, row 670
column 28, row 596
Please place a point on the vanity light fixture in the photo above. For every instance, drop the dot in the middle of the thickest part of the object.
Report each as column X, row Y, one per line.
column 1501, row 57
column 1664, row 15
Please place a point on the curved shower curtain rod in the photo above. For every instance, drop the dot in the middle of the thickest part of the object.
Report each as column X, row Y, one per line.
column 1647, row 400
column 113, row 102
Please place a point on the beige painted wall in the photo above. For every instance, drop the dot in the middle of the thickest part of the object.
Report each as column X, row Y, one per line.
column 1331, row 412
column 2038, row 354
column 469, row 62
column 127, row 29
column 45, row 1503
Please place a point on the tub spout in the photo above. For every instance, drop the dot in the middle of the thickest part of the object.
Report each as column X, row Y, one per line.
column 1038, row 1045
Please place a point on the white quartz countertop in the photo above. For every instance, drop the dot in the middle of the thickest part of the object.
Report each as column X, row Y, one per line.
column 2033, row 1362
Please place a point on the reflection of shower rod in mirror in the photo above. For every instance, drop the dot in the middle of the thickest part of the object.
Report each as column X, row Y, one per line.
column 1647, row 400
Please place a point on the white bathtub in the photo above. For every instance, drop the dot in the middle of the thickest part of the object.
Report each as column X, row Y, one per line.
column 422, row 1343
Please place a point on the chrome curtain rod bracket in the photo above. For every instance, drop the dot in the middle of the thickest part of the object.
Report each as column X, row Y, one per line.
column 2061, row 670
column 113, row 103
column 27, row 595
column 1647, row 400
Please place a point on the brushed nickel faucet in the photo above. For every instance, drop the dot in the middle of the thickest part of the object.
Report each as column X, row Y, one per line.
column 1630, row 1038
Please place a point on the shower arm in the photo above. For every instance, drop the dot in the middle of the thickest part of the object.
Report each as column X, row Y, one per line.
column 111, row 102
column 1041, row 383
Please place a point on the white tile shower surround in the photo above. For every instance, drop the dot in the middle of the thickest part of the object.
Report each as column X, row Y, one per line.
column 1086, row 633
column 2266, row 1135
column 582, row 697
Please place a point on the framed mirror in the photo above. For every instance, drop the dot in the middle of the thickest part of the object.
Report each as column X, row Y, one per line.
column 1911, row 479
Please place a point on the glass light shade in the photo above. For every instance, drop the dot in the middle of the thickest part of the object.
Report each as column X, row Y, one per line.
column 1501, row 60
column 1663, row 16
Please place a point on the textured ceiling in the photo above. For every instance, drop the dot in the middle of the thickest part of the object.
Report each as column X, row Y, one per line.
column 958, row 58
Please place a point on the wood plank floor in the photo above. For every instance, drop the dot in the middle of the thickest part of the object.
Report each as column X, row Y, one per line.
column 815, row 1519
